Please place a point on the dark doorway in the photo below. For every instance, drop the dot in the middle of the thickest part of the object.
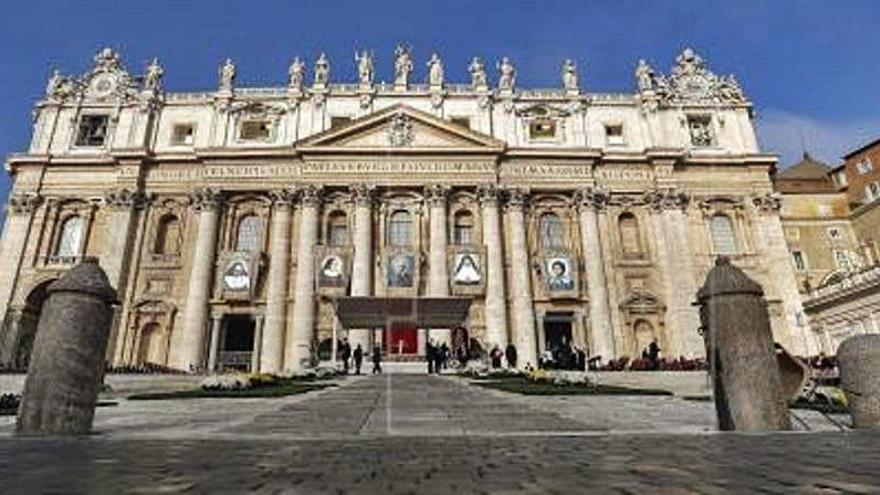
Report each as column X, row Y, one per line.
column 557, row 331
column 27, row 326
column 237, row 344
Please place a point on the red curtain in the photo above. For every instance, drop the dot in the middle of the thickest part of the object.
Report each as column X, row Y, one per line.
column 401, row 338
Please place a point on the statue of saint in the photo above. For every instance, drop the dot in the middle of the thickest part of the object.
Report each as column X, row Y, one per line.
column 153, row 76
column 435, row 71
column 478, row 73
column 227, row 75
column 365, row 68
column 322, row 70
column 402, row 64
column 644, row 76
column 54, row 84
column 507, row 78
column 569, row 76
column 296, row 74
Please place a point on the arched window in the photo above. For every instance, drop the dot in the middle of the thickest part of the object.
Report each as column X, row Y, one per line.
column 249, row 230
column 552, row 231
column 337, row 229
column 70, row 240
column 629, row 233
column 167, row 235
column 723, row 237
column 463, row 228
column 400, row 229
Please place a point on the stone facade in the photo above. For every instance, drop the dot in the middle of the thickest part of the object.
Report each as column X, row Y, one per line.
column 229, row 220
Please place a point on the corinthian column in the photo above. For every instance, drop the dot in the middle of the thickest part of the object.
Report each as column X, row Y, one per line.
column 438, row 276
column 523, row 317
column 272, row 349
column 602, row 335
column 495, row 309
column 361, row 271
column 19, row 216
column 122, row 204
column 298, row 348
column 192, row 350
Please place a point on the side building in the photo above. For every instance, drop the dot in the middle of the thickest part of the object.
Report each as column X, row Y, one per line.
column 233, row 221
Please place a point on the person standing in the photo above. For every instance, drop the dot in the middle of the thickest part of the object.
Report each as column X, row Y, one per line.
column 496, row 355
column 654, row 354
column 377, row 360
column 510, row 354
column 358, row 359
column 346, row 355
column 429, row 353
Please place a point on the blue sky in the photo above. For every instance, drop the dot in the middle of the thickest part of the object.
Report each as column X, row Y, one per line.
column 810, row 67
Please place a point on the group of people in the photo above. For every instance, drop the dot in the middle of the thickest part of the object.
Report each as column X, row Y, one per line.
column 564, row 357
column 496, row 355
column 356, row 358
column 438, row 356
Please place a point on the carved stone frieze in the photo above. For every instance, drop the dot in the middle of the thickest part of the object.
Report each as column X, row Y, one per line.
column 517, row 198
column 283, row 197
column 436, row 194
column 23, row 203
column 591, row 197
column 206, row 199
column 488, row 193
column 124, row 199
column 400, row 131
column 767, row 203
column 667, row 199
column 709, row 205
column 311, row 195
column 363, row 194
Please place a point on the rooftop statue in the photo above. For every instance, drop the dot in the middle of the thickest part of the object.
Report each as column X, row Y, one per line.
column 569, row 76
column 153, row 76
column 296, row 74
column 403, row 65
column 227, row 75
column 478, row 74
column 322, row 71
column 435, row 71
column 507, row 77
column 365, row 68
column 645, row 76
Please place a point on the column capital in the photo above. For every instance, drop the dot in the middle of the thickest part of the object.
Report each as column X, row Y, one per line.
column 311, row 195
column 436, row 194
column 768, row 204
column 283, row 197
column 123, row 199
column 487, row 194
column 590, row 198
column 23, row 203
column 667, row 199
column 362, row 194
column 517, row 198
column 206, row 199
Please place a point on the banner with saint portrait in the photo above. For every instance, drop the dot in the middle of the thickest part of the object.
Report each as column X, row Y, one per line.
column 560, row 275
column 400, row 270
column 332, row 269
column 467, row 270
column 238, row 271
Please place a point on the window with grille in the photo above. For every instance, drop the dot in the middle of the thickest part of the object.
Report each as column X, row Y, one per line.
column 800, row 261
column 700, row 128
column 256, row 130
column 337, row 230
column 168, row 236
column 249, row 231
column 463, row 229
column 542, row 129
column 552, row 231
column 92, row 130
column 400, row 229
column 629, row 233
column 723, row 237
column 614, row 134
column 70, row 240
column 183, row 135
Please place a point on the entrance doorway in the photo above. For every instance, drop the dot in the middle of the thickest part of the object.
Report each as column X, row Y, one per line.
column 27, row 326
column 401, row 338
column 237, row 342
column 557, row 330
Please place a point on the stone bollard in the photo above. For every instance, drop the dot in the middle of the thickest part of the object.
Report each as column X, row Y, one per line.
column 67, row 363
column 859, row 361
column 739, row 343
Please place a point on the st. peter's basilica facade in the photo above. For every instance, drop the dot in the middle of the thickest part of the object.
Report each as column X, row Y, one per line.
column 232, row 221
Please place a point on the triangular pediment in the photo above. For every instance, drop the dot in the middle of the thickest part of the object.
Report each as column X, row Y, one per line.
column 400, row 129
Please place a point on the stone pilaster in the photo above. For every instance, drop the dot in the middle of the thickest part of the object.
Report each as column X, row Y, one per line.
column 362, row 266
column 438, row 274
column 678, row 272
column 798, row 338
column 495, row 306
column 257, row 353
column 191, row 354
column 523, row 316
column 214, row 343
column 589, row 201
column 272, row 346
column 298, row 347
column 121, row 205
column 19, row 217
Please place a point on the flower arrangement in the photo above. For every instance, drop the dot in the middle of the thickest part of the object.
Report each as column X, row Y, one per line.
column 237, row 381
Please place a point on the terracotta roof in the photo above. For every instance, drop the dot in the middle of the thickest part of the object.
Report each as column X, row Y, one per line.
column 807, row 169
column 861, row 148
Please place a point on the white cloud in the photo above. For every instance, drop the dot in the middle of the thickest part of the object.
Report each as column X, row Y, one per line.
column 788, row 135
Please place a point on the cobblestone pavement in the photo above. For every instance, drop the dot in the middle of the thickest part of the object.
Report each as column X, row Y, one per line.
column 420, row 434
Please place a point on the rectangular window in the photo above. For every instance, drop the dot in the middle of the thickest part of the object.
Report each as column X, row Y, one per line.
column 614, row 134
column 338, row 235
column 872, row 192
column 542, row 129
column 800, row 263
column 255, row 130
column 461, row 121
column 700, row 127
column 92, row 130
column 183, row 134
column 462, row 235
column 833, row 233
column 840, row 178
column 841, row 259
column 865, row 166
